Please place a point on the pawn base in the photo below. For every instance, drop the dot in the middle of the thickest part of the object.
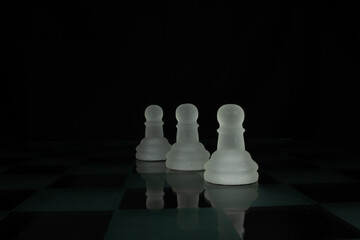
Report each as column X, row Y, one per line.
column 229, row 167
column 187, row 157
column 152, row 149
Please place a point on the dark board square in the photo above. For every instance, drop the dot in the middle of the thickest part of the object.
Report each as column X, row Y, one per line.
column 9, row 199
column 331, row 192
column 37, row 169
column 55, row 225
column 300, row 222
column 90, row 181
column 136, row 198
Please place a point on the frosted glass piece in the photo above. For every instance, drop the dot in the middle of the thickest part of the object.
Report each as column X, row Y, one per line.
column 154, row 146
column 187, row 154
column 231, row 164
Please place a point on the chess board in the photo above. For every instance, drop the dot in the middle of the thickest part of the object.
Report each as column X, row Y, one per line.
column 97, row 190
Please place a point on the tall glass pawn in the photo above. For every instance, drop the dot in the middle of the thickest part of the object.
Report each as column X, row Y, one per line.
column 154, row 146
column 187, row 154
column 231, row 164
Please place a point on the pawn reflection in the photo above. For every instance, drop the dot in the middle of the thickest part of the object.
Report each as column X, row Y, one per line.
column 233, row 201
column 154, row 176
column 187, row 186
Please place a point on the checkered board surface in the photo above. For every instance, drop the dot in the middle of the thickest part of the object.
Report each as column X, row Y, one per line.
column 93, row 191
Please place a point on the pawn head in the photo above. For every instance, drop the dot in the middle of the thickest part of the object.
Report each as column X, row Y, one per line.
column 153, row 113
column 186, row 113
column 230, row 115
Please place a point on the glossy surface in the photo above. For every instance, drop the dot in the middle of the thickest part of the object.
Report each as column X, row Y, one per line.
column 98, row 190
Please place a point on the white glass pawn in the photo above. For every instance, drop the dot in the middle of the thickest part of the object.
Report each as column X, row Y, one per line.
column 187, row 154
column 154, row 146
column 231, row 164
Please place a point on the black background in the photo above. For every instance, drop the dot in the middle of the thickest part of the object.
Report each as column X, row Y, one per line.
column 87, row 71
